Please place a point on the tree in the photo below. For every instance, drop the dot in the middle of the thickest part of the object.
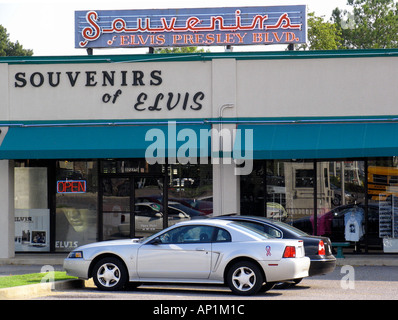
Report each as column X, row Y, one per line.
column 373, row 24
column 322, row 35
column 8, row 48
column 179, row 50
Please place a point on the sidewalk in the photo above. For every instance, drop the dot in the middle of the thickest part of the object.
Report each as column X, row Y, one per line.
column 35, row 259
column 369, row 260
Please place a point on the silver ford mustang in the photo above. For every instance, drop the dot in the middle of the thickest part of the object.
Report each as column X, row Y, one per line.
column 197, row 251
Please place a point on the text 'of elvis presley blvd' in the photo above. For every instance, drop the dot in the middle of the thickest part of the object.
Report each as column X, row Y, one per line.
column 206, row 40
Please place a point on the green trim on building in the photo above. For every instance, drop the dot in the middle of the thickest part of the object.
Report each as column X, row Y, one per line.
column 206, row 56
column 201, row 121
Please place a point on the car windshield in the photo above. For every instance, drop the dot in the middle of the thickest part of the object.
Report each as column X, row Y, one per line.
column 253, row 230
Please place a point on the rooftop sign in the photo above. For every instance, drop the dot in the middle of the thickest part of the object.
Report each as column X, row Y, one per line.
column 190, row 27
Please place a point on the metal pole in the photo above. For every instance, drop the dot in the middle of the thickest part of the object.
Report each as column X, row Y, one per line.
column 315, row 231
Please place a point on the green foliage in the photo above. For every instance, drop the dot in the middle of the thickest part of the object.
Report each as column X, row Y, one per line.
column 179, row 50
column 322, row 35
column 8, row 48
column 372, row 24
column 31, row 278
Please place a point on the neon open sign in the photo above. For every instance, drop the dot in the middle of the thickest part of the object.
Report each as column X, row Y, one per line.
column 190, row 27
column 71, row 186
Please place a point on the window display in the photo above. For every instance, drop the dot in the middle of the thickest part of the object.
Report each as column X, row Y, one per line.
column 353, row 221
column 76, row 204
column 89, row 206
column 383, row 194
column 32, row 216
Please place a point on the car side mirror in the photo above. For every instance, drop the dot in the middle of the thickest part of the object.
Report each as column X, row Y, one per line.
column 156, row 241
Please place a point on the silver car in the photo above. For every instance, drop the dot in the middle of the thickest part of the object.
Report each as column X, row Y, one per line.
column 197, row 251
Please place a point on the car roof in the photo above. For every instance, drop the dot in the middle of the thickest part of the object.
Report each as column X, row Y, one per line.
column 282, row 226
column 146, row 203
column 232, row 216
column 243, row 231
column 212, row 222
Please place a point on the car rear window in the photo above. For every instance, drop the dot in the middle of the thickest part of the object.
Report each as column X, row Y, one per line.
column 256, row 231
column 291, row 228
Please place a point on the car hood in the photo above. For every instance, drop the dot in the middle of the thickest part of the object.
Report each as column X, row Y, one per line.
column 109, row 243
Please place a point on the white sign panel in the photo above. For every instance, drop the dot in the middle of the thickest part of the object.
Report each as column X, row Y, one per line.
column 110, row 91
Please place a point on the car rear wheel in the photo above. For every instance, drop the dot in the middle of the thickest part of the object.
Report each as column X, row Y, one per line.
column 110, row 274
column 244, row 278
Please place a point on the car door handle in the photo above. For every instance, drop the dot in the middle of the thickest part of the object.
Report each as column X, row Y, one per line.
column 200, row 249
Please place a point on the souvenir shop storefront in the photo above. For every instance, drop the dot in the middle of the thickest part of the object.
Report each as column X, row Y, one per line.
column 107, row 147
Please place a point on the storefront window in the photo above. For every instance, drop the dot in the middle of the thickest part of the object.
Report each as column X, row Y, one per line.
column 281, row 190
column 252, row 191
column 304, row 178
column 299, row 180
column 190, row 191
column 32, row 216
column 334, row 194
column 129, row 166
column 76, row 204
column 383, row 204
column 341, row 200
column 134, row 188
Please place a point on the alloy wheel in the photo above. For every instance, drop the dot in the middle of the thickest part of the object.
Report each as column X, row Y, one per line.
column 109, row 275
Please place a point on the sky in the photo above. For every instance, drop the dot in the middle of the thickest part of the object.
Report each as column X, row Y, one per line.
column 47, row 26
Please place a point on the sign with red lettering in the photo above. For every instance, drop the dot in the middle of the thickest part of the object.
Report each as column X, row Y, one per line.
column 71, row 186
column 190, row 27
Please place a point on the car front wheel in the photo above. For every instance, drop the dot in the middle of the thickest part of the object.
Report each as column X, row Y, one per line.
column 244, row 278
column 110, row 274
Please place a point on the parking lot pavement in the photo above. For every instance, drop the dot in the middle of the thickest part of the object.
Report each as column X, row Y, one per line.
column 363, row 283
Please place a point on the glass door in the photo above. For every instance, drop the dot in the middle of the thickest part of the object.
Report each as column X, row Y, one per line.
column 132, row 206
column 149, row 211
column 116, row 207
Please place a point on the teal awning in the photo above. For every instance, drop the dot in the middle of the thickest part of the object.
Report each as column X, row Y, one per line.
column 321, row 140
column 82, row 142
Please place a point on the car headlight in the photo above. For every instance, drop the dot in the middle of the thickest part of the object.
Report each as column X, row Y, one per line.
column 75, row 254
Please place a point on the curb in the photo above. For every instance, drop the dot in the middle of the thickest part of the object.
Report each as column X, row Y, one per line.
column 31, row 291
column 33, row 260
column 368, row 261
